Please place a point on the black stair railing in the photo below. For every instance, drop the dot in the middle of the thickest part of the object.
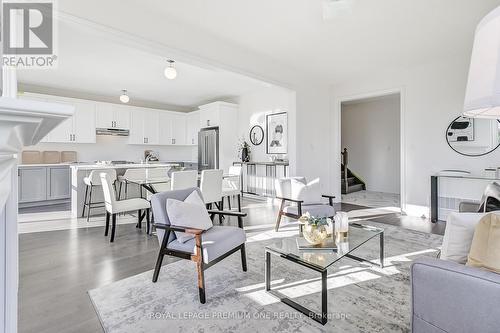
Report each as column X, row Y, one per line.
column 344, row 163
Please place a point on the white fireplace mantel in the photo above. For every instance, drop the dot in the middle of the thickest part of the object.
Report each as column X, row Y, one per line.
column 22, row 123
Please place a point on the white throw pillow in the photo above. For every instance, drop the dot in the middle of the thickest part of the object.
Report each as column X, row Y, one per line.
column 458, row 236
column 310, row 193
column 190, row 213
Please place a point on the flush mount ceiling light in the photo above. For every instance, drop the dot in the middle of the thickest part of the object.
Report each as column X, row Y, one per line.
column 482, row 98
column 170, row 71
column 124, row 96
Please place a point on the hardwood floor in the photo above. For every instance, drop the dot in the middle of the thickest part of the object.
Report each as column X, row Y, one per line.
column 58, row 267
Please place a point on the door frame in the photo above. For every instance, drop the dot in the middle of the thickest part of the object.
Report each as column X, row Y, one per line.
column 337, row 129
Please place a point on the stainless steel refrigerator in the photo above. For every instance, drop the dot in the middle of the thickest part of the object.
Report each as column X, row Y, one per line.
column 208, row 148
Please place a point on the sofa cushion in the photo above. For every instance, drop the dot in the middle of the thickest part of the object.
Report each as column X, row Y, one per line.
column 485, row 247
column 190, row 213
column 215, row 242
column 458, row 236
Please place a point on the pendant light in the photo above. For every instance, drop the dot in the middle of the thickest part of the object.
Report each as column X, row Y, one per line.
column 482, row 98
column 124, row 98
column 170, row 71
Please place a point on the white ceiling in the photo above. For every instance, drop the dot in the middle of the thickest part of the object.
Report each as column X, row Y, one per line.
column 372, row 36
column 90, row 66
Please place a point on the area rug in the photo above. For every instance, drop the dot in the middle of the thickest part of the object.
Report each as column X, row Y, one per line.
column 361, row 298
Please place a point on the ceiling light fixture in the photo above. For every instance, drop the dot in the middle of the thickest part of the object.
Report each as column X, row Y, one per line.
column 170, row 71
column 124, row 98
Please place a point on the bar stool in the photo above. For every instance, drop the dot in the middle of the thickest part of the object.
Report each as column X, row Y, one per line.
column 92, row 181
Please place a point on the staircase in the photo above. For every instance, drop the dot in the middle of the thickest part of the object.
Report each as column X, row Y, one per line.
column 350, row 182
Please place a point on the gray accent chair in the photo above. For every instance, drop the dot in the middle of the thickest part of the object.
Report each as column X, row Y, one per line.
column 207, row 248
column 450, row 297
column 294, row 208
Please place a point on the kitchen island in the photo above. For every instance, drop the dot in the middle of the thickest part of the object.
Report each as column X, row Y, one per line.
column 80, row 171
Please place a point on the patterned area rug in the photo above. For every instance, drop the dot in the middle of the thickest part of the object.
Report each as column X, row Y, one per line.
column 361, row 298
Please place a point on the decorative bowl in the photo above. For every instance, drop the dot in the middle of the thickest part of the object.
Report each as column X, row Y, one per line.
column 314, row 234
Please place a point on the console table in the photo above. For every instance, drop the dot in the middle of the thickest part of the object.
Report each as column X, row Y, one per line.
column 258, row 178
column 457, row 188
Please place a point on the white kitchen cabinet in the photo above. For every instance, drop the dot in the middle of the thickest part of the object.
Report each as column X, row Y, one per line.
column 112, row 116
column 178, row 129
column 165, row 124
column 192, row 128
column 78, row 129
column 144, row 127
column 32, row 184
column 209, row 115
column 84, row 123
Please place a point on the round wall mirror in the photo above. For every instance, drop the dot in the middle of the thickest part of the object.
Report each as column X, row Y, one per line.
column 473, row 136
column 256, row 135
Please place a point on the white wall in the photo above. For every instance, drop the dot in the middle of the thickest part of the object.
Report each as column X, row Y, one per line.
column 253, row 108
column 433, row 95
column 116, row 148
column 370, row 132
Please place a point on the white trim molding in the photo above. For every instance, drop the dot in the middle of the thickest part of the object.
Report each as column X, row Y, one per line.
column 22, row 123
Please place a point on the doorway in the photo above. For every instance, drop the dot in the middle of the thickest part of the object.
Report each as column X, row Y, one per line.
column 371, row 151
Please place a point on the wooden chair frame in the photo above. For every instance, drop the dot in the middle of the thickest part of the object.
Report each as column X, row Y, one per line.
column 197, row 257
column 299, row 208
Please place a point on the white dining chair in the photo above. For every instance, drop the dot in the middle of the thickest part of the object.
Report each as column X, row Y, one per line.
column 211, row 188
column 114, row 207
column 91, row 181
column 184, row 179
column 153, row 173
column 133, row 173
column 231, row 186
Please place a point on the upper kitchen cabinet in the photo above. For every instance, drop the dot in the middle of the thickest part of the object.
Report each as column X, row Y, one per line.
column 209, row 115
column 144, row 126
column 112, row 116
column 172, row 128
column 78, row 129
column 192, row 128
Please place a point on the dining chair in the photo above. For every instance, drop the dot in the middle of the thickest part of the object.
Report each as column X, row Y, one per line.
column 114, row 207
column 91, row 181
column 184, row 179
column 211, row 188
column 134, row 173
column 153, row 173
column 231, row 186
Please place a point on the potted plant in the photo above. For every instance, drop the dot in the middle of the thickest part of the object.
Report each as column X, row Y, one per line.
column 314, row 229
column 244, row 150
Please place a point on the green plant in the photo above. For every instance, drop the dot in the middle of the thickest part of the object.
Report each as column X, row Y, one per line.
column 314, row 221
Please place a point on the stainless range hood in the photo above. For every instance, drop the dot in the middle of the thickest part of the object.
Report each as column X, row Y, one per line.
column 112, row 131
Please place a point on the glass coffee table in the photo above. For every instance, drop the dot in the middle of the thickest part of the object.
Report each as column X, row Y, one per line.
column 320, row 261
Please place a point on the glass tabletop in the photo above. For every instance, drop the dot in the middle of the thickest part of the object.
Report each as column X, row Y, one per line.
column 357, row 236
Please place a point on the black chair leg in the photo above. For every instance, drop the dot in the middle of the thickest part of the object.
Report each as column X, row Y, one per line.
column 85, row 200
column 148, row 220
column 243, row 258
column 221, row 217
column 139, row 219
column 90, row 203
column 239, row 202
column 113, row 227
column 228, row 202
column 159, row 260
column 107, row 224
column 120, row 191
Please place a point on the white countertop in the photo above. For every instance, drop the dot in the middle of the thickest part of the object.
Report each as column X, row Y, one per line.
column 43, row 165
column 121, row 166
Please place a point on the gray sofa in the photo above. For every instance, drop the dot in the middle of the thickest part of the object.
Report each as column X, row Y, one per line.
column 450, row 297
